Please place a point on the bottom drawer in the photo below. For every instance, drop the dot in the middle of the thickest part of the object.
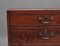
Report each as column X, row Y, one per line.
column 34, row 37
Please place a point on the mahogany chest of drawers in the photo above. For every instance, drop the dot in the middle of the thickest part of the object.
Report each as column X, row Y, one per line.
column 33, row 27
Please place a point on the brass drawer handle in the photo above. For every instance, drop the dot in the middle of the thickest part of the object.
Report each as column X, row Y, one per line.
column 46, row 35
column 46, row 19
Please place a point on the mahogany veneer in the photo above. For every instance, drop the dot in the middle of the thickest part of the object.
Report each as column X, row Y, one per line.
column 33, row 27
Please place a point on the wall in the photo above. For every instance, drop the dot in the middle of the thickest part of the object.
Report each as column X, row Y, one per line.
column 5, row 4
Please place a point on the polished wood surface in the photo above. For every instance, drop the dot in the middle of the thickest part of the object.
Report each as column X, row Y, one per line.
column 25, row 28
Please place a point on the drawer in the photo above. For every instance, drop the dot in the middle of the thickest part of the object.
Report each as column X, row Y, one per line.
column 33, row 17
column 26, row 36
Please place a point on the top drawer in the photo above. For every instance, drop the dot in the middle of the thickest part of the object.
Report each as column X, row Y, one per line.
column 50, row 17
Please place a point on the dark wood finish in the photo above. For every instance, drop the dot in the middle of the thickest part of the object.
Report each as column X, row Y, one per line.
column 25, row 28
column 32, row 17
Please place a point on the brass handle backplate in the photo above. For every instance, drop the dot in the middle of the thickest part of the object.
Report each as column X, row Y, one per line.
column 45, row 19
column 46, row 35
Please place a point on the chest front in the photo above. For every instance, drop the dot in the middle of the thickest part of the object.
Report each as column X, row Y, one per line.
column 33, row 27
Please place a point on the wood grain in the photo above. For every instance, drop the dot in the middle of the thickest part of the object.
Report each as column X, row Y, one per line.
column 24, row 27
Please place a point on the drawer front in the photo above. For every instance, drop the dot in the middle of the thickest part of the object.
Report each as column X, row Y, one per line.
column 34, row 36
column 32, row 17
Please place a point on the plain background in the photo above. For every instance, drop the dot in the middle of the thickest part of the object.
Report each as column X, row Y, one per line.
column 6, row 4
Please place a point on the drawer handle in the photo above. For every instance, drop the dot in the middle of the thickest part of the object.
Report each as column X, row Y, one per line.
column 45, row 34
column 45, row 19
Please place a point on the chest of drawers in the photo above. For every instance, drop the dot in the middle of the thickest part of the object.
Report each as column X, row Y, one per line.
column 33, row 27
